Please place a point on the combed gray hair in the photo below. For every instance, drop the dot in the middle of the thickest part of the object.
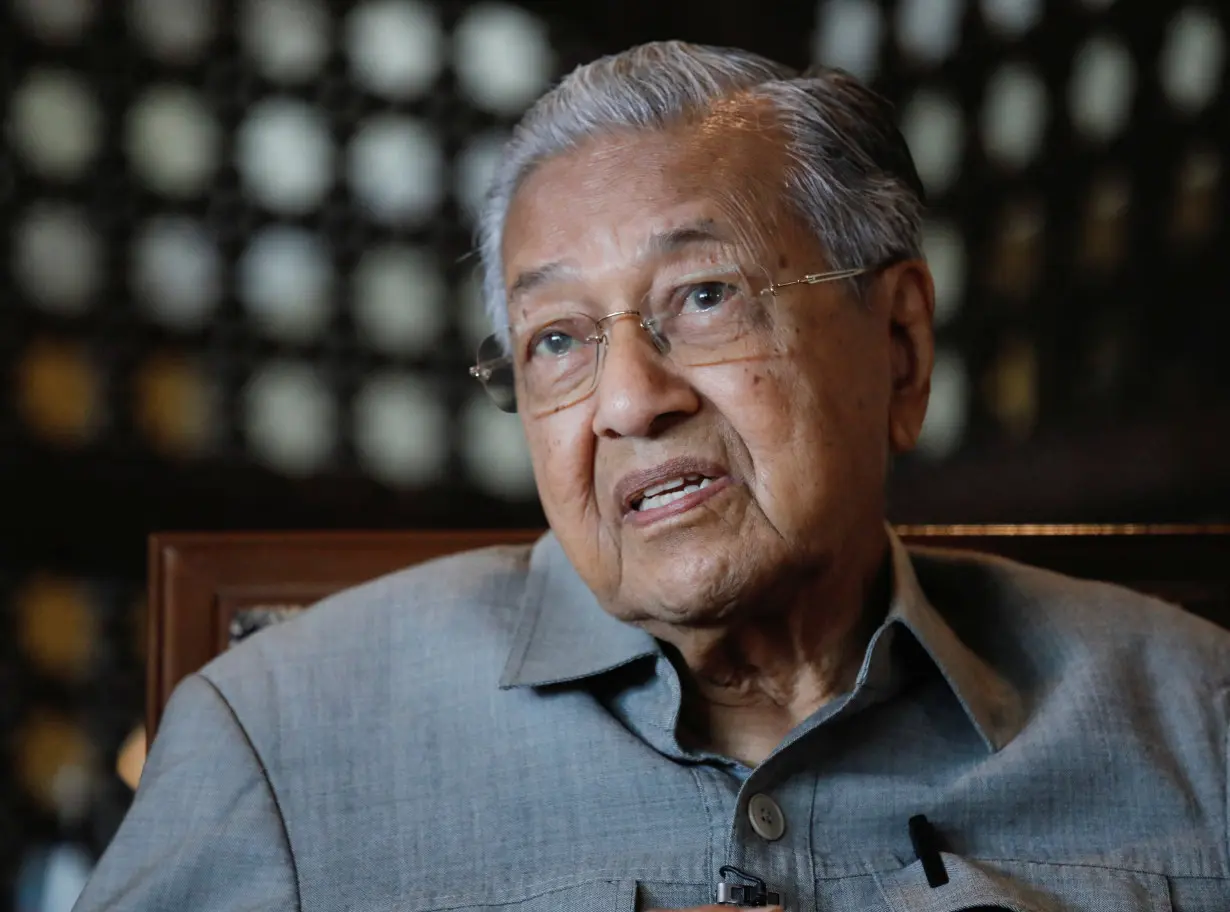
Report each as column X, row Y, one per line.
column 849, row 174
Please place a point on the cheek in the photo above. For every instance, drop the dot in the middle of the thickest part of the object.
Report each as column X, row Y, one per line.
column 805, row 415
column 562, row 453
column 772, row 412
column 766, row 399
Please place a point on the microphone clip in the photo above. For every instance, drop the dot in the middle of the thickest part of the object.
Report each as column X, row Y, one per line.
column 750, row 893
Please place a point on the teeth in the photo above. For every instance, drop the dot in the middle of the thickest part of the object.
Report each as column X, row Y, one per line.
column 667, row 485
column 661, row 495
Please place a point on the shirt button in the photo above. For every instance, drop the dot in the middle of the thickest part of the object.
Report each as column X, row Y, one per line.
column 766, row 817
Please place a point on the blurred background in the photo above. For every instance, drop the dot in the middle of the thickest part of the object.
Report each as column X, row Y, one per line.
column 238, row 292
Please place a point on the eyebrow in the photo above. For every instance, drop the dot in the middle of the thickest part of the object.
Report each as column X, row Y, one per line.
column 663, row 243
column 702, row 231
column 533, row 278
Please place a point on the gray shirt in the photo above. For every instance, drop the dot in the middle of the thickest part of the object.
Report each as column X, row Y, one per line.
column 477, row 734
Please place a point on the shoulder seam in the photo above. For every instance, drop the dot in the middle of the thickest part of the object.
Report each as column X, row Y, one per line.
column 273, row 793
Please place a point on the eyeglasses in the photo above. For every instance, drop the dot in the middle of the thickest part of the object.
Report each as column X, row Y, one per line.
column 716, row 318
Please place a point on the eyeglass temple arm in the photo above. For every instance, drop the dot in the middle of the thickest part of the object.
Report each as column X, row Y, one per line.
column 817, row 278
column 485, row 369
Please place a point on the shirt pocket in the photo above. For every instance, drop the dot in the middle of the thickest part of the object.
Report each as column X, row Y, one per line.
column 1017, row 886
column 587, row 896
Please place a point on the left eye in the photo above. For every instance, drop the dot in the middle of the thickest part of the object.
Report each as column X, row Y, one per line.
column 706, row 296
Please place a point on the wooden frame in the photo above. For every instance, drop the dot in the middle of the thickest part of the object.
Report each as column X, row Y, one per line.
column 198, row 582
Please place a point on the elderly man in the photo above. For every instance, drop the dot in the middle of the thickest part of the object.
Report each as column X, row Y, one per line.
column 719, row 678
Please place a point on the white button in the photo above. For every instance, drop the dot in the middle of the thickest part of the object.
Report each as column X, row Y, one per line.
column 767, row 818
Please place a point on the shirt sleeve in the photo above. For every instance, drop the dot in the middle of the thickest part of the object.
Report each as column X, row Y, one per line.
column 1225, row 702
column 204, row 831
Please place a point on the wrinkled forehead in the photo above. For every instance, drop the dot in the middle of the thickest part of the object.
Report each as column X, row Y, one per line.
column 611, row 200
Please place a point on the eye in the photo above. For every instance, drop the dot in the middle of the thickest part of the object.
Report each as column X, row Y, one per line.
column 553, row 342
column 706, row 296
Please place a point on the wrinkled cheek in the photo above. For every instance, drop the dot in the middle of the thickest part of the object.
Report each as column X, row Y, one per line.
column 563, row 470
column 798, row 436
column 771, row 397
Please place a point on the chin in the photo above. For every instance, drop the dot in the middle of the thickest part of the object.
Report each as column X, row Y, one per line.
column 686, row 593
column 647, row 611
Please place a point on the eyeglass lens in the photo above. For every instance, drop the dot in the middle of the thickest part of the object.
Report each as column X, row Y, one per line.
column 717, row 320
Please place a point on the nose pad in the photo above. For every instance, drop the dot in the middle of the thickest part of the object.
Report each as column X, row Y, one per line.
column 606, row 340
column 660, row 342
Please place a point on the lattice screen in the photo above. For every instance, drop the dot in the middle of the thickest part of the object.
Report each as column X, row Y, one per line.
column 242, row 233
column 236, row 235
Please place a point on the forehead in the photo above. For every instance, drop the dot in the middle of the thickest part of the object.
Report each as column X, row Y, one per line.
column 600, row 202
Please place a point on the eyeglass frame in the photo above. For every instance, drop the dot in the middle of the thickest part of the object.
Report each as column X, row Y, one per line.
column 483, row 370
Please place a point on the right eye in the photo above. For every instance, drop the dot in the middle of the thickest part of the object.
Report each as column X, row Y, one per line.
column 553, row 342
column 706, row 297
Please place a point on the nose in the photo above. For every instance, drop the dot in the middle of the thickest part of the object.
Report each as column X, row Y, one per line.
column 639, row 391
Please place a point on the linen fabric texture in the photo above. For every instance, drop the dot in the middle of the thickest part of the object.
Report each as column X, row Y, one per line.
column 476, row 733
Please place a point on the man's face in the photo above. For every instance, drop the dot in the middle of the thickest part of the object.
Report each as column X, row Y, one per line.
column 791, row 444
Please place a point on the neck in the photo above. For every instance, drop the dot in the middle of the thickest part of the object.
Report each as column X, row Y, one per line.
column 749, row 683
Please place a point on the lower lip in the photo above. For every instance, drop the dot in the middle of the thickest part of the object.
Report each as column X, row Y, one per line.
column 675, row 507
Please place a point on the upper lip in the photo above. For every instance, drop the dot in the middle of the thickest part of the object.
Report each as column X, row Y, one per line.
column 631, row 485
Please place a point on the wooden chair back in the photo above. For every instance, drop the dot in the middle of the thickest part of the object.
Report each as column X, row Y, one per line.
column 207, row 590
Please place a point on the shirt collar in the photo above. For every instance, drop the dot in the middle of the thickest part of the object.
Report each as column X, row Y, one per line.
column 564, row 634
column 992, row 704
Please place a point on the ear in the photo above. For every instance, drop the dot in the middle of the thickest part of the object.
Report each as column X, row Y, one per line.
column 911, row 303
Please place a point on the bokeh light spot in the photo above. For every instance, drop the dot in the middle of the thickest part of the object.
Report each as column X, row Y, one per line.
column 57, row 258
column 475, row 168
column 285, row 154
column 472, row 314
column 59, row 391
column 948, row 410
column 934, row 129
column 1015, row 264
column 1011, row 18
column 1199, row 196
column 176, row 405
column 289, row 40
column 55, row 123
column 495, row 452
column 401, row 430
column 1106, row 223
column 399, row 299
column 174, row 31
column 848, row 35
column 56, row 21
column 290, row 418
column 397, row 169
column 285, row 279
column 176, row 272
column 172, row 141
column 503, row 57
column 56, row 626
column 944, row 249
column 396, row 47
column 1011, row 387
column 1193, row 58
column 56, row 875
column 56, row 764
column 1101, row 89
column 1014, row 115
column 929, row 30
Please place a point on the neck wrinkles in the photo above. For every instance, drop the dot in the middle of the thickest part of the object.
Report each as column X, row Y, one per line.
column 757, row 679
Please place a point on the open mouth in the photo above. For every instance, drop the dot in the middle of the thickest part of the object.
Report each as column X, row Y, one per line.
column 660, row 495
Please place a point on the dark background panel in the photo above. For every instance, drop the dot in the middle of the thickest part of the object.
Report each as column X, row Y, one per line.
column 1075, row 156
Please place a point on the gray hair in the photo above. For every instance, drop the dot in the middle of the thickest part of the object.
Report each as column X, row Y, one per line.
column 849, row 174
